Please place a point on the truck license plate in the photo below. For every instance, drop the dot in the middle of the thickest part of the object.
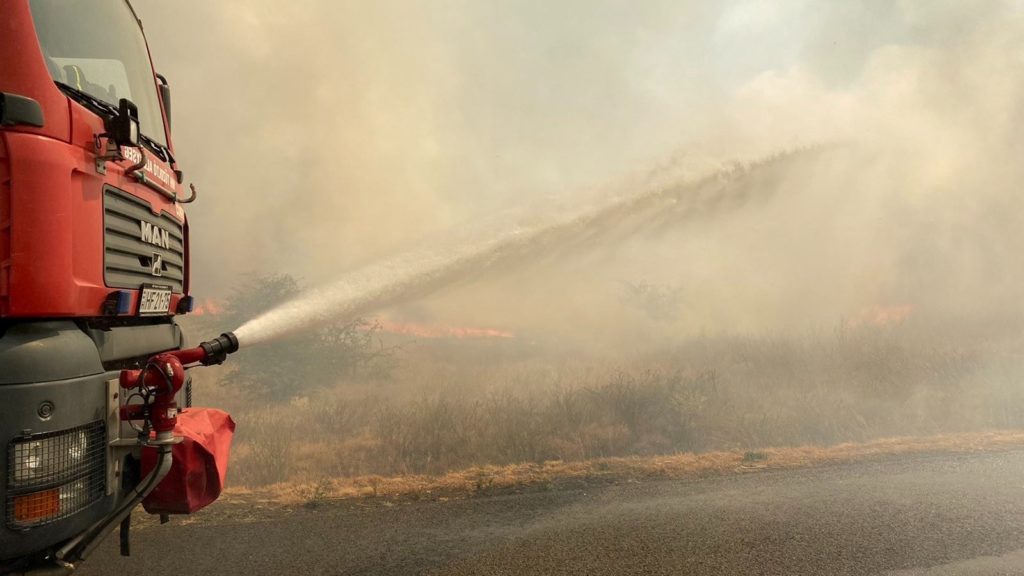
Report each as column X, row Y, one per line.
column 154, row 300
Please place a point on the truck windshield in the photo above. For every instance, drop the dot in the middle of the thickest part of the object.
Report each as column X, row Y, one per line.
column 98, row 48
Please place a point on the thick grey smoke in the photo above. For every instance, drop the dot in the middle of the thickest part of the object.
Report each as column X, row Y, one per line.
column 326, row 135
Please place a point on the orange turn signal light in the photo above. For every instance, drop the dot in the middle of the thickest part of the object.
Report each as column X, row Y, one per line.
column 37, row 506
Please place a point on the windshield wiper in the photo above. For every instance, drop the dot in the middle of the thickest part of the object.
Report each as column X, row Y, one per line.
column 102, row 106
column 109, row 109
column 163, row 151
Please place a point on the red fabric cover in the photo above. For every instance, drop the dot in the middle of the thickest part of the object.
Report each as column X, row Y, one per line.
column 200, row 463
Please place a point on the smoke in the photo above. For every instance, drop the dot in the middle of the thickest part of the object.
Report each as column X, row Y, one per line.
column 326, row 136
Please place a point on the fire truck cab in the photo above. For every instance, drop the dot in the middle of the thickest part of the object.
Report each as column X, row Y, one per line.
column 93, row 269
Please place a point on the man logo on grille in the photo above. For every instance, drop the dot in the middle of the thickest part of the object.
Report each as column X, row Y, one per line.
column 158, row 265
column 154, row 235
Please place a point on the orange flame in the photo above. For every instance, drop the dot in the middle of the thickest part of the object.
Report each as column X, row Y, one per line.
column 434, row 331
column 207, row 306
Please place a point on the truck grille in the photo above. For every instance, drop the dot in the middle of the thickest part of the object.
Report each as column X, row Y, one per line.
column 53, row 475
column 128, row 259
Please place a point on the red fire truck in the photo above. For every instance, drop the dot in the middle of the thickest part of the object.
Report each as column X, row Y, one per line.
column 94, row 253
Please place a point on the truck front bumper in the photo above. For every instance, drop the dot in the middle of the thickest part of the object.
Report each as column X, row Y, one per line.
column 58, row 471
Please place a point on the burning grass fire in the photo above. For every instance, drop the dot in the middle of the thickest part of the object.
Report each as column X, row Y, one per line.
column 818, row 295
column 439, row 331
column 450, row 408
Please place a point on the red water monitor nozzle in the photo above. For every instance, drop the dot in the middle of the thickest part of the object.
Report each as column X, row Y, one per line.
column 164, row 375
column 218, row 349
column 209, row 352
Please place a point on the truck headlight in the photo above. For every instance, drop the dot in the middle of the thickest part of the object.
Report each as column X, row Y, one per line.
column 28, row 460
column 53, row 475
column 47, row 459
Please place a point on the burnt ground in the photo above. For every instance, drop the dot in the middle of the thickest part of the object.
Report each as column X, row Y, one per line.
column 922, row 515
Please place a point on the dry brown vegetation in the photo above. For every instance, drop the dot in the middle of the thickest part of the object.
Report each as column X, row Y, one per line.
column 488, row 479
column 471, row 413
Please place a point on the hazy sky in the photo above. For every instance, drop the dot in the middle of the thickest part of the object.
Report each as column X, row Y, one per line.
column 324, row 134
column 352, row 126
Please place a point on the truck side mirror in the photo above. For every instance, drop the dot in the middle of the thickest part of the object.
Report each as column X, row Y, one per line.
column 123, row 128
column 18, row 110
column 165, row 95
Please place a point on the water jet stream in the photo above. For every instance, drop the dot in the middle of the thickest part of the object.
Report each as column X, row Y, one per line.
column 420, row 272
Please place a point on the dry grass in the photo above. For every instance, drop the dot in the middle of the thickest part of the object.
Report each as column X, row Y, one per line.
column 485, row 479
column 477, row 410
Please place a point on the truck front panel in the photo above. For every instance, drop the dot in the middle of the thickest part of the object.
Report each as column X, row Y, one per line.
column 56, row 471
column 93, row 265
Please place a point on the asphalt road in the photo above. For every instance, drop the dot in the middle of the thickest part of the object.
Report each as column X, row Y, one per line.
column 926, row 515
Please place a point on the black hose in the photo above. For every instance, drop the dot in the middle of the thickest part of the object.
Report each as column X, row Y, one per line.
column 79, row 548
